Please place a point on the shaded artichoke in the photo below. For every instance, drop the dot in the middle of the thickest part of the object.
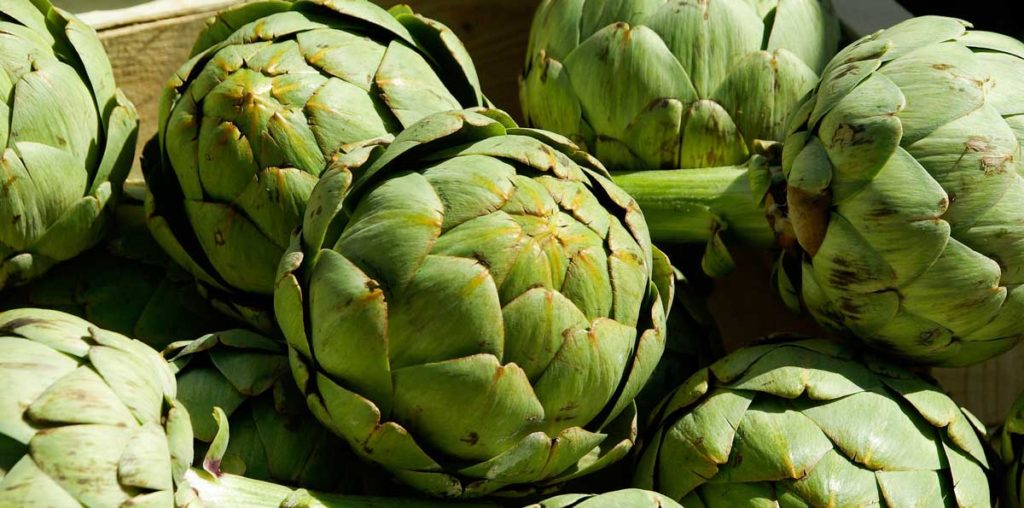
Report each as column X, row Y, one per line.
column 126, row 285
column 811, row 423
column 273, row 91
column 501, row 296
column 673, row 84
column 67, row 137
column 232, row 491
column 272, row 435
column 632, row 498
column 87, row 417
column 1009, row 442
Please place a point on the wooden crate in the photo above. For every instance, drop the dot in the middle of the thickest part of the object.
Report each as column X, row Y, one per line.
column 147, row 41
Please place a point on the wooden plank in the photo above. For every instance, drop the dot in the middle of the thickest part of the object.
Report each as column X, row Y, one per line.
column 105, row 14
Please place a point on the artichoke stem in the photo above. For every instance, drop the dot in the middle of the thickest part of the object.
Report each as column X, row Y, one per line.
column 693, row 205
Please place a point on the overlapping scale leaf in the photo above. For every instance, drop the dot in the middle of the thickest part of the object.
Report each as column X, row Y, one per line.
column 272, row 93
column 627, row 497
column 909, row 222
column 273, row 437
column 126, row 284
column 655, row 85
column 88, row 417
column 812, row 423
column 67, row 137
column 478, row 266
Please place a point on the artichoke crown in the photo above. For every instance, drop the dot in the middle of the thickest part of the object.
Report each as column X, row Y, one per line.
column 813, row 423
column 67, row 137
column 273, row 91
column 87, row 418
column 501, row 294
column 905, row 192
column 648, row 84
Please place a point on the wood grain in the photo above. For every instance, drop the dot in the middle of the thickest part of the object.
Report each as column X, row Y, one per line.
column 145, row 55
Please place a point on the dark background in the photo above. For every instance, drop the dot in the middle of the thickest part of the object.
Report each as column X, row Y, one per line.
column 995, row 15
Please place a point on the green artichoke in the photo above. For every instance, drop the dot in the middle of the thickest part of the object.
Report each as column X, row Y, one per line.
column 274, row 90
column 812, row 423
column 67, row 135
column 630, row 498
column 1009, row 442
column 273, row 437
column 87, row 417
column 126, row 285
column 899, row 195
column 647, row 84
column 906, row 195
column 501, row 296
column 230, row 491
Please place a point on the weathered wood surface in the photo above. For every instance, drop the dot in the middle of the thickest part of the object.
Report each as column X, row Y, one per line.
column 145, row 54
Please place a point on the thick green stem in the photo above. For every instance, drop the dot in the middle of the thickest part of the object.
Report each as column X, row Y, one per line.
column 231, row 491
column 692, row 205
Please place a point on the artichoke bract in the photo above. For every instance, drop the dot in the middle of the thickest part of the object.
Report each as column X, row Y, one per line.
column 685, row 84
column 67, row 137
column 904, row 190
column 87, row 417
column 272, row 435
column 248, row 124
column 897, row 195
column 501, row 295
column 812, row 423
column 632, row 498
column 127, row 284
column 208, row 490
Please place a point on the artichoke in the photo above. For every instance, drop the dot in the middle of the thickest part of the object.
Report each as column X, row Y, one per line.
column 900, row 194
column 632, row 498
column 684, row 84
column 272, row 435
column 274, row 90
column 502, row 333
column 208, row 490
column 905, row 192
column 813, row 423
column 67, row 135
column 87, row 417
column 126, row 285
column 1009, row 442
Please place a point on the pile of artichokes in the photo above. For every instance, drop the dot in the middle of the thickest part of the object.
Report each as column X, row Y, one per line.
column 350, row 280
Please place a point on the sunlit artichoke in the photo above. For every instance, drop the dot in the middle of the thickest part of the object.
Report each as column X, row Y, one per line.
column 906, row 196
column 812, row 423
column 67, row 137
column 898, row 195
column 648, row 84
column 87, row 417
column 246, row 127
column 477, row 312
